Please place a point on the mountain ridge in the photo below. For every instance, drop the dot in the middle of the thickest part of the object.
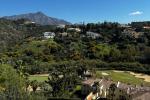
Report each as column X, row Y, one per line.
column 39, row 18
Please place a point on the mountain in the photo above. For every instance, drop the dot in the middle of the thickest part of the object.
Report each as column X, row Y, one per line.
column 39, row 18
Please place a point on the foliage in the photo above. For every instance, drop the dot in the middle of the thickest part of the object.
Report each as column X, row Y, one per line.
column 11, row 82
column 24, row 50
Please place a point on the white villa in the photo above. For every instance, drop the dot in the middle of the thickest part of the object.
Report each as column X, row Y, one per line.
column 63, row 34
column 48, row 35
column 74, row 29
column 61, row 26
column 29, row 22
column 131, row 32
column 146, row 27
column 93, row 35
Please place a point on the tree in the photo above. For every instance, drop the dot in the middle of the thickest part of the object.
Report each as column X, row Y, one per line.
column 63, row 79
column 11, row 83
column 129, row 53
column 112, row 90
column 34, row 85
column 115, row 55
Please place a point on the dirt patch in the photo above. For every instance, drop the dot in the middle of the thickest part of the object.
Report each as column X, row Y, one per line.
column 118, row 71
column 40, row 75
column 105, row 74
column 143, row 76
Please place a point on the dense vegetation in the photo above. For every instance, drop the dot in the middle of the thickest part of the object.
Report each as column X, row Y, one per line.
column 24, row 51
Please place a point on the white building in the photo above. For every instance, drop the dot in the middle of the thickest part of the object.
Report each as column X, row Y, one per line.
column 74, row 29
column 63, row 34
column 131, row 32
column 29, row 22
column 125, row 26
column 48, row 35
column 146, row 27
column 61, row 26
column 93, row 35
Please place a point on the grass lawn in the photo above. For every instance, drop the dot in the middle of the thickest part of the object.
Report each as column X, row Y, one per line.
column 38, row 78
column 124, row 77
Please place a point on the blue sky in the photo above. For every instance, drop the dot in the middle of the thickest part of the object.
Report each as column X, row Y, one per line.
column 123, row 11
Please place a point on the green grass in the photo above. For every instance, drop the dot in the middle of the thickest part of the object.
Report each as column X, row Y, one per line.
column 124, row 77
column 38, row 78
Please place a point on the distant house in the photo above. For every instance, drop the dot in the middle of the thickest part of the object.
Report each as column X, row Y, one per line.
column 125, row 26
column 131, row 32
column 74, row 29
column 63, row 34
column 93, row 35
column 146, row 27
column 29, row 22
column 48, row 35
column 61, row 26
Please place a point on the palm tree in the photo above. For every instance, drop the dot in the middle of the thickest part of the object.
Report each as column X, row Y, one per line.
column 34, row 85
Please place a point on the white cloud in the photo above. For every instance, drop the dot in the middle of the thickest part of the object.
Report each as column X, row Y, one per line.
column 136, row 13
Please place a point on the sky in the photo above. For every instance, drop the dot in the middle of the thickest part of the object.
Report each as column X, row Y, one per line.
column 75, row 11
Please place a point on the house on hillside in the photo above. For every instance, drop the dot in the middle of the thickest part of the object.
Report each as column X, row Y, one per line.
column 63, row 34
column 146, row 27
column 49, row 35
column 61, row 26
column 74, row 30
column 93, row 35
column 132, row 33
column 29, row 22
column 124, row 26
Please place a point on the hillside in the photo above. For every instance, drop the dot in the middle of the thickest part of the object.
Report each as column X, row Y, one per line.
column 71, row 58
column 13, row 32
column 39, row 18
column 9, row 34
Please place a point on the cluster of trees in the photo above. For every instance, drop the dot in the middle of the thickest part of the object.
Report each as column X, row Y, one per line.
column 38, row 56
column 13, row 85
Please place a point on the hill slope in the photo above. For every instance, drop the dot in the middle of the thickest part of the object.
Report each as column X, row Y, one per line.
column 8, row 33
